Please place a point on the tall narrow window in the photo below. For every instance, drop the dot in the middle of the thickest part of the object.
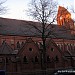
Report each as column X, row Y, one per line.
column 18, row 44
column 40, row 45
column 7, row 60
column 48, row 58
column 3, row 41
column 25, row 59
column 67, row 47
column 22, row 44
column 1, row 59
column 36, row 59
column 56, row 58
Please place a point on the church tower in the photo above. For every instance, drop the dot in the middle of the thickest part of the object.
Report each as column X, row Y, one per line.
column 64, row 18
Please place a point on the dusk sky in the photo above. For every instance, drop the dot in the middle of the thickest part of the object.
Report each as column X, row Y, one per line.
column 16, row 8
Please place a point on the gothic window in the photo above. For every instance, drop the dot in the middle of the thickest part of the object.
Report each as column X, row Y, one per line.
column 3, row 41
column 36, row 59
column 48, row 58
column 25, row 60
column 22, row 44
column 40, row 43
column 59, row 46
column 62, row 46
column 7, row 60
column 70, row 47
column 67, row 47
column 18, row 44
column 1, row 59
column 56, row 58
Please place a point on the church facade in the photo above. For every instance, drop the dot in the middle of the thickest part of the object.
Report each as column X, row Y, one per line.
column 20, row 48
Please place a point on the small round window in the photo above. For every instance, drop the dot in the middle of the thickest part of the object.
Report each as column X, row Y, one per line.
column 30, row 49
column 52, row 49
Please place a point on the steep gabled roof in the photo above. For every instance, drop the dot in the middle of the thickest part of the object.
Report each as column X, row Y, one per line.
column 29, row 40
column 24, row 28
column 50, row 42
column 66, row 54
column 5, row 48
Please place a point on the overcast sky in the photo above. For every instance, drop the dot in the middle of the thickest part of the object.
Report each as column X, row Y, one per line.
column 16, row 8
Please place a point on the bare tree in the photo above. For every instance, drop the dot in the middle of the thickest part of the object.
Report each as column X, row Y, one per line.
column 3, row 9
column 43, row 11
column 72, row 8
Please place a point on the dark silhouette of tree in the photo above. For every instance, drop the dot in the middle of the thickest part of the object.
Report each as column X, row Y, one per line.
column 43, row 11
column 3, row 9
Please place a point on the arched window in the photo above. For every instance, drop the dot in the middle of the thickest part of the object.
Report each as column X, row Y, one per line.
column 1, row 59
column 22, row 44
column 25, row 60
column 67, row 47
column 61, row 46
column 18, row 44
column 48, row 58
column 3, row 41
column 7, row 60
column 36, row 59
column 70, row 47
column 56, row 58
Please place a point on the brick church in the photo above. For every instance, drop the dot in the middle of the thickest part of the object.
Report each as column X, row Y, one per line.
column 20, row 46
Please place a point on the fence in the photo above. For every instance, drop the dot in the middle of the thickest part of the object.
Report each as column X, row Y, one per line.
column 40, row 72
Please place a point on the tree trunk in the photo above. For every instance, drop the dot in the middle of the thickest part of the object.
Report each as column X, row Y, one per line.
column 44, row 55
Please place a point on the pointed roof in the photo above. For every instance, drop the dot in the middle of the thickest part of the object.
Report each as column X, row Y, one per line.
column 5, row 48
column 63, row 10
column 29, row 40
column 51, row 41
